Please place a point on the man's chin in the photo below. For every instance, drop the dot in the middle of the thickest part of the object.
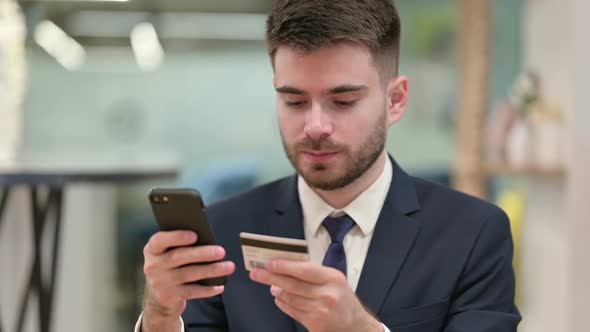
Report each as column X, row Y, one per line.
column 315, row 170
column 321, row 180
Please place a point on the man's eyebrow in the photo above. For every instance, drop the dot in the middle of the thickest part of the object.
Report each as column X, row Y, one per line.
column 336, row 90
column 346, row 88
column 290, row 90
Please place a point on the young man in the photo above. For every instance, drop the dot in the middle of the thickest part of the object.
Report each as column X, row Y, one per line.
column 388, row 252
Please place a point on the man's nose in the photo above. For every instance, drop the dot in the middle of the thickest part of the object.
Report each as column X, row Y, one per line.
column 318, row 123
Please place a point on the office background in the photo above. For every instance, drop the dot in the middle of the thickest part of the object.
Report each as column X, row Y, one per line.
column 201, row 99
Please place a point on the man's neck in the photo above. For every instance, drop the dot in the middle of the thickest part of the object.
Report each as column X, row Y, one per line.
column 340, row 198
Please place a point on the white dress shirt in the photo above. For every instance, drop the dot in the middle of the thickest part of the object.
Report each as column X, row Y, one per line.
column 364, row 210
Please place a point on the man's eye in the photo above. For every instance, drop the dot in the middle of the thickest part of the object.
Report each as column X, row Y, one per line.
column 295, row 103
column 343, row 103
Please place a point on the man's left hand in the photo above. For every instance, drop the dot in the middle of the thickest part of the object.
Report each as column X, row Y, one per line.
column 316, row 296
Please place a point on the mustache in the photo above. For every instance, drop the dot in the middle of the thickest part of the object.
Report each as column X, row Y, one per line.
column 325, row 143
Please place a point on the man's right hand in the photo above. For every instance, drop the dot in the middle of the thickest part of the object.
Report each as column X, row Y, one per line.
column 168, row 271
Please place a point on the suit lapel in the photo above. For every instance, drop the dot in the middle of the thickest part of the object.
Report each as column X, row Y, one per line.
column 393, row 237
column 287, row 220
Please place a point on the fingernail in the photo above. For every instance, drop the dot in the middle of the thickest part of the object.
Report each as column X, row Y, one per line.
column 190, row 236
column 219, row 251
column 219, row 289
column 274, row 290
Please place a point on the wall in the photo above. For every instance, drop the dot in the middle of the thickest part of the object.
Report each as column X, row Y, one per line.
column 579, row 180
column 555, row 235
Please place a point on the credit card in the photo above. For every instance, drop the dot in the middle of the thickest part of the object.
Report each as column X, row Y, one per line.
column 258, row 249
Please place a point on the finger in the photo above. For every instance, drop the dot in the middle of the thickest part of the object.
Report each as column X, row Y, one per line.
column 192, row 273
column 297, row 315
column 298, row 302
column 284, row 282
column 187, row 255
column 162, row 241
column 307, row 271
column 191, row 292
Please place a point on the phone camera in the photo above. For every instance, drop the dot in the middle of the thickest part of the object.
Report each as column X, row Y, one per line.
column 159, row 199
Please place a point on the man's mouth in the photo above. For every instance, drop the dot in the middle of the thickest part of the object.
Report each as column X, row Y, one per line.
column 319, row 156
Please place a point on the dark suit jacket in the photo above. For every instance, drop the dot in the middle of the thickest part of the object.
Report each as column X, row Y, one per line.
column 439, row 260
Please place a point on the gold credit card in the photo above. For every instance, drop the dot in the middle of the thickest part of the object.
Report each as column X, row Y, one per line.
column 258, row 249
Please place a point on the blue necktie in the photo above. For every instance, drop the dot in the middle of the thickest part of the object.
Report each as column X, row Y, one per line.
column 337, row 228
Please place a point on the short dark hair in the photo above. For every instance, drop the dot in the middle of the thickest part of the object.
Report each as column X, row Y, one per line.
column 309, row 25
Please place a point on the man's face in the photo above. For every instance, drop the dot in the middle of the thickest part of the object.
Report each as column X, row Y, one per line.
column 332, row 112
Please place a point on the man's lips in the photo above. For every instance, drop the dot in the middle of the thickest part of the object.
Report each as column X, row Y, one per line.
column 319, row 156
column 319, row 153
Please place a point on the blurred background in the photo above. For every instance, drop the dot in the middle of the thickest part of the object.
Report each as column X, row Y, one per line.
column 497, row 102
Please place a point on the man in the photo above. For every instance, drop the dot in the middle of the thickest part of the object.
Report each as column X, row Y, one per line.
column 388, row 252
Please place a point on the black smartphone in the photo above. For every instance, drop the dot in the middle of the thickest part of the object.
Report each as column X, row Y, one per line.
column 183, row 209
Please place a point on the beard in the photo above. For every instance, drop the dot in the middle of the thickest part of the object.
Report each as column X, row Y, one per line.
column 356, row 161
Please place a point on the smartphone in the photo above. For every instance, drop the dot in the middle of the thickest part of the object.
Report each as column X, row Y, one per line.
column 183, row 209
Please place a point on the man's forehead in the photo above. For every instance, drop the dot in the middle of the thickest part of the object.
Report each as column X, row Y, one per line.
column 325, row 68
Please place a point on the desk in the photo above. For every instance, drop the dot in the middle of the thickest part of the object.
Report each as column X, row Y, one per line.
column 52, row 177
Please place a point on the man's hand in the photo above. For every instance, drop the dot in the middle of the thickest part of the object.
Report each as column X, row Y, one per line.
column 168, row 271
column 316, row 296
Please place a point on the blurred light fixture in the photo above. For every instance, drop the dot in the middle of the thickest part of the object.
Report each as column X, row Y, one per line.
column 68, row 52
column 146, row 47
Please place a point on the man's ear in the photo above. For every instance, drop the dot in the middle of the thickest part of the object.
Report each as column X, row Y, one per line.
column 397, row 99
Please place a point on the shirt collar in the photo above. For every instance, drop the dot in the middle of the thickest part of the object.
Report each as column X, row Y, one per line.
column 364, row 209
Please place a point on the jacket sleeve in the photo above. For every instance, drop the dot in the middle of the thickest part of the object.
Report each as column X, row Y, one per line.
column 205, row 315
column 483, row 300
